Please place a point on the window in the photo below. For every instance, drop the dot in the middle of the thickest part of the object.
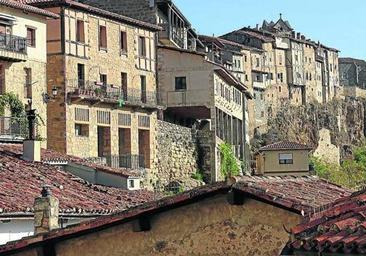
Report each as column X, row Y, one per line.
column 285, row 158
column 180, row 83
column 262, row 113
column 102, row 37
column 143, row 89
column 31, row 37
column 81, row 75
column 103, row 79
column 82, row 130
column 131, row 183
column 123, row 42
column 246, row 78
column 80, row 35
column 245, row 58
column 279, row 88
column 257, row 63
column 142, row 46
column 28, row 83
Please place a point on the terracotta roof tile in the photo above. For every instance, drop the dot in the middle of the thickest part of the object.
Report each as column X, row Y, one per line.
column 92, row 9
column 27, row 8
column 21, row 182
column 285, row 145
column 263, row 188
column 338, row 228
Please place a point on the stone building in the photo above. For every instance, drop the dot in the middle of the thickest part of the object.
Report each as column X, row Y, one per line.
column 23, row 58
column 249, row 217
column 353, row 77
column 196, row 89
column 104, row 66
column 290, row 69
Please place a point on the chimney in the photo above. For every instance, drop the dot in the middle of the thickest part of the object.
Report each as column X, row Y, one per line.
column 293, row 34
column 298, row 35
column 31, row 146
column 303, row 37
column 45, row 212
column 257, row 27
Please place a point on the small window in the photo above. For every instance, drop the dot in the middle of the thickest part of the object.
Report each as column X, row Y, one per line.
column 123, row 42
column 131, row 183
column 180, row 83
column 143, row 89
column 81, row 75
column 257, row 63
column 82, row 130
column 102, row 37
column 142, row 46
column 286, row 158
column 80, row 35
column 31, row 37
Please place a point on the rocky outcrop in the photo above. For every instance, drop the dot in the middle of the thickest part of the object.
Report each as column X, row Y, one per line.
column 344, row 119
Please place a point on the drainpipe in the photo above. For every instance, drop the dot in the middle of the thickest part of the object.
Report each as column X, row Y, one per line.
column 244, row 129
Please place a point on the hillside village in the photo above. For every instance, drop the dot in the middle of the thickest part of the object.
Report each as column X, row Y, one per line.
column 123, row 131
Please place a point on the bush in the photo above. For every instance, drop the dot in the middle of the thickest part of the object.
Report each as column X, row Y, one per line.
column 198, row 175
column 229, row 166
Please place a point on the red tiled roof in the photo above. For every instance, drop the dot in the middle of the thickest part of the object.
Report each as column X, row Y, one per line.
column 92, row 9
column 257, row 34
column 27, row 8
column 285, row 192
column 285, row 145
column 301, row 194
column 340, row 228
column 21, row 182
column 50, row 156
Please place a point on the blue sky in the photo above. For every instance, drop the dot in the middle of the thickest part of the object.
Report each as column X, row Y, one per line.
column 336, row 23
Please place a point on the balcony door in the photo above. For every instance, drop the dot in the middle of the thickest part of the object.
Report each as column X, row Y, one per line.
column 144, row 147
column 143, row 89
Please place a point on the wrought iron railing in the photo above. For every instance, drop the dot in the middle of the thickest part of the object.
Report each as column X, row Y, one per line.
column 106, row 91
column 121, row 161
column 13, row 128
column 13, row 43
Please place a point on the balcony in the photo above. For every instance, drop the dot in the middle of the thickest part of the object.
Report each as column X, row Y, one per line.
column 13, row 129
column 134, row 162
column 87, row 90
column 173, row 34
column 13, row 48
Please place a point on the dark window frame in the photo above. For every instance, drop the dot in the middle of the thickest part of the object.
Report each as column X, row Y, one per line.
column 181, row 83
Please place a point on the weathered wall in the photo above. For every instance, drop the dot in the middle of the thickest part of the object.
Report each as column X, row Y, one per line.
column 226, row 230
column 178, row 156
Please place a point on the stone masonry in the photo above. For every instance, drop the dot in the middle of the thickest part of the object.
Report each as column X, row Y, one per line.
column 178, row 159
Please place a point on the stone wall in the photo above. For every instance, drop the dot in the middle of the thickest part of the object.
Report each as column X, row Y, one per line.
column 177, row 159
column 327, row 151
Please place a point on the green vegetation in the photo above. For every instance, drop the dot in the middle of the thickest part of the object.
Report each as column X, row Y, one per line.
column 229, row 166
column 11, row 101
column 198, row 175
column 351, row 173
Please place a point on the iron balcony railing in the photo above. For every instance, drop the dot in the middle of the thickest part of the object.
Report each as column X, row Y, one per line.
column 129, row 96
column 121, row 161
column 13, row 128
column 13, row 43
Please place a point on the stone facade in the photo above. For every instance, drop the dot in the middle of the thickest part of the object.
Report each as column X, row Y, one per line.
column 107, row 104
column 14, row 67
column 181, row 231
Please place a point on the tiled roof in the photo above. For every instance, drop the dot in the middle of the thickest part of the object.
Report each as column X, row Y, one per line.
column 27, row 8
column 341, row 228
column 92, row 9
column 301, row 194
column 285, row 145
column 21, row 182
column 50, row 156
column 274, row 191
column 261, row 35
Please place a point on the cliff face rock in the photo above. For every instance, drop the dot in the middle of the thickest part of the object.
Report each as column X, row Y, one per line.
column 344, row 119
